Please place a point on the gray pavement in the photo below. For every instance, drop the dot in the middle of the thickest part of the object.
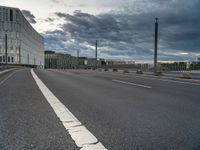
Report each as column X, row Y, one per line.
column 27, row 122
column 118, row 109
column 129, row 117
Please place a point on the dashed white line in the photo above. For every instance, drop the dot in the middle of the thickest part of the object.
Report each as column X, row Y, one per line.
column 134, row 84
column 83, row 138
column 168, row 80
column 7, row 78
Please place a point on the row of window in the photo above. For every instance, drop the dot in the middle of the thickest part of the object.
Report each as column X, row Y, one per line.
column 9, row 59
column 7, row 14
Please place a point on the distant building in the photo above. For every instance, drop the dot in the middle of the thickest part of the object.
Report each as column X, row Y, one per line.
column 88, row 62
column 195, row 65
column 143, row 66
column 55, row 60
column 115, row 62
column 59, row 61
column 130, row 62
column 173, row 66
column 24, row 44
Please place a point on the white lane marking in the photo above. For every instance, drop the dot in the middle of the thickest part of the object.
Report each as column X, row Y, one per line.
column 7, row 70
column 4, row 80
column 167, row 80
column 130, row 83
column 83, row 138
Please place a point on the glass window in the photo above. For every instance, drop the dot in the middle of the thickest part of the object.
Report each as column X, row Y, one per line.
column 12, row 59
column 17, row 16
column 0, row 14
column 11, row 15
column 8, row 58
column 4, row 14
column 17, row 34
column 4, row 59
column 1, row 59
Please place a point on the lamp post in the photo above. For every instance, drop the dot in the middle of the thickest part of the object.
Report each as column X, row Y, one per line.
column 96, row 53
column 156, row 45
column 96, row 49
column 6, row 48
column 77, row 58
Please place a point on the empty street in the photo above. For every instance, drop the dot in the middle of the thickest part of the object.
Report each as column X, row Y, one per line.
column 121, row 111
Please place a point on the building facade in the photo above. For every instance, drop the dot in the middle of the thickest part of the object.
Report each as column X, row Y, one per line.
column 59, row 61
column 19, row 42
column 55, row 60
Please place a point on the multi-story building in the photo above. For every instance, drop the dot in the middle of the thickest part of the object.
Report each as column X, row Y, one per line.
column 19, row 42
column 59, row 61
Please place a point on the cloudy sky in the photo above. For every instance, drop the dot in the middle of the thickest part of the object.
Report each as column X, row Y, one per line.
column 124, row 28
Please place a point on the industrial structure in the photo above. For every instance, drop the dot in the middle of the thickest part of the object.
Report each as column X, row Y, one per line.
column 19, row 42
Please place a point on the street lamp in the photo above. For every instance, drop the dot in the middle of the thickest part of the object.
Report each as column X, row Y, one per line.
column 156, row 45
column 96, row 46
column 96, row 49
column 78, row 58
column 6, row 48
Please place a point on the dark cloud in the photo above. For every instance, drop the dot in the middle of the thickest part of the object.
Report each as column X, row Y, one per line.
column 129, row 33
column 29, row 16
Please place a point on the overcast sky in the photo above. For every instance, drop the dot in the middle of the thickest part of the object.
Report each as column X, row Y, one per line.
column 124, row 28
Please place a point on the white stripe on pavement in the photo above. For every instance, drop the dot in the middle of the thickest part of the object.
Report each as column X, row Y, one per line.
column 7, row 70
column 168, row 80
column 134, row 84
column 7, row 77
column 83, row 138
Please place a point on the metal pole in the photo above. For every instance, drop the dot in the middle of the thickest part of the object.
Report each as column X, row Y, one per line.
column 156, row 45
column 6, row 48
column 28, row 58
column 77, row 58
column 96, row 50
column 96, row 53
column 77, row 53
column 19, row 55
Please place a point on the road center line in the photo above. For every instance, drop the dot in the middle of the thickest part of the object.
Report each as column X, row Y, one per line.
column 83, row 138
column 134, row 84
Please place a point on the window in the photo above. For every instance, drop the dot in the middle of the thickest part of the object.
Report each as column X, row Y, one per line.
column 1, row 59
column 4, row 59
column 8, row 58
column 0, row 14
column 11, row 15
column 17, row 16
column 12, row 59
column 17, row 34
column 5, row 14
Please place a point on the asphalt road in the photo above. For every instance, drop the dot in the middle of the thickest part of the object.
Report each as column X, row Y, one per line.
column 27, row 121
column 124, row 112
